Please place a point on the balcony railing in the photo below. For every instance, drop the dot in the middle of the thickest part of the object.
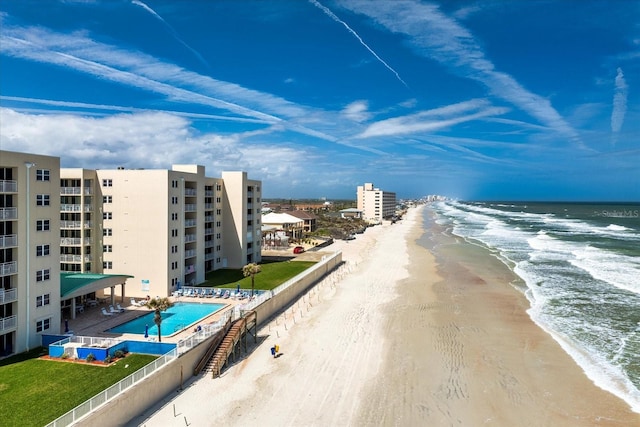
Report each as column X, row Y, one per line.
column 8, row 268
column 190, row 222
column 190, row 238
column 75, row 241
column 208, row 205
column 190, row 207
column 7, row 186
column 75, row 191
column 190, row 192
column 9, row 241
column 208, row 231
column 188, row 269
column 75, row 208
column 190, row 253
column 75, row 258
column 75, row 224
column 7, row 323
column 8, row 213
column 8, row 295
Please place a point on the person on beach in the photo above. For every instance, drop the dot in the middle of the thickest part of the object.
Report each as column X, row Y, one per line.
column 273, row 352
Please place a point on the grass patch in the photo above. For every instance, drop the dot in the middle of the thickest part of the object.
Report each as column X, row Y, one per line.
column 272, row 275
column 34, row 392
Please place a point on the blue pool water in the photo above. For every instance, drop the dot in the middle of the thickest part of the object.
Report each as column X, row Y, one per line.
column 175, row 319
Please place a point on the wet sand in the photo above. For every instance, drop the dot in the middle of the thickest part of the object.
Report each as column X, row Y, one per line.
column 402, row 335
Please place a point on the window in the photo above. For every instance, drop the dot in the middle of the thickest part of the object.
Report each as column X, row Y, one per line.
column 174, row 249
column 107, row 265
column 218, row 211
column 174, row 216
column 42, row 199
column 107, row 248
column 218, row 248
column 218, row 187
column 42, row 175
column 218, row 236
column 107, row 183
column 174, row 200
column 42, row 300
column 107, row 232
column 42, row 275
column 174, row 232
column 107, row 215
column 218, row 224
column 218, row 200
column 107, row 199
column 43, row 325
column 42, row 250
column 43, row 225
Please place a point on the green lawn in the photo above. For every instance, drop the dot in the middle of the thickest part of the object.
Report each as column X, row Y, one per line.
column 34, row 392
column 273, row 275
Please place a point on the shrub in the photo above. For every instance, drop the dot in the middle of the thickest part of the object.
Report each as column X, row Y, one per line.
column 119, row 354
column 108, row 359
column 64, row 356
column 91, row 357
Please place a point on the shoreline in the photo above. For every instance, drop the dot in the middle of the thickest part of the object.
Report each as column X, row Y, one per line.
column 417, row 328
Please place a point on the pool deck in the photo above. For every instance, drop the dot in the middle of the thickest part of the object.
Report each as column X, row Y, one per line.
column 94, row 324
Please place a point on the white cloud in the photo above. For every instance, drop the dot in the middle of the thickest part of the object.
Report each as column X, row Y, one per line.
column 431, row 120
column 357, row 111
column 619, row 102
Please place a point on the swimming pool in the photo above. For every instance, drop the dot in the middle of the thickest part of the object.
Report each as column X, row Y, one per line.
column 180, row 316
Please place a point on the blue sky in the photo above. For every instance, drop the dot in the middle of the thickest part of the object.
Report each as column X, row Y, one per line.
column 510, row 100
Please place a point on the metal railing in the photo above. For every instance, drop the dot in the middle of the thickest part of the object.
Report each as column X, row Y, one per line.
column 8, row 295
column 9, row 241
column 8, row 323
column 8, row 213
column 8, row 268
column 8, row 186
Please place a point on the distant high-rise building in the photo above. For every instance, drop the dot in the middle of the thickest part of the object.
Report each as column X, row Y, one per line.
column 375, row 204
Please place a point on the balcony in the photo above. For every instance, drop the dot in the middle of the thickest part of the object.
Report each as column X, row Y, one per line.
column 8, row 295
column 189, row 222
column 208, row 206
column 8, row 213
column 9, row 268
column 7, row 186
column 208, row 243
column 190, row 253
column 75, row 241
column 190, row 238
column 190, row 207
column 208, row 231
column 8, row 241
column 188, row 269
column 8, row 323
column 75, row 208
column 69, row 258
column 208, row 193
column 190, row 192
column 75, row 225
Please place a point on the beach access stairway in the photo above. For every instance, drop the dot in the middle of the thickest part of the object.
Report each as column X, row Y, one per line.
column 226, row 344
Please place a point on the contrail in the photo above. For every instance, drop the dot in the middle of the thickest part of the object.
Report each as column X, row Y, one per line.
column 619, row 102
column 171, row 30
column 338, row 20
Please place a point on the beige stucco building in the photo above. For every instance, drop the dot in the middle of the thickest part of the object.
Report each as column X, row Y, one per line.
column 164, row 228
column 168, row 228
column 375, row 204
column 29, row 250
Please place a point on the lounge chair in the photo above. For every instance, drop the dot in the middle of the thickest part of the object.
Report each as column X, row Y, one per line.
column 136, row 303
column 218, row 293
column 113, row 310
column 105, row 313
column 226, row 295
column 119, row 308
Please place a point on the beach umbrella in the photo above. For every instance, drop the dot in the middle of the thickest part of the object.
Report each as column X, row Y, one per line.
column 146, row 331
column 66, row 326
column 238, row 289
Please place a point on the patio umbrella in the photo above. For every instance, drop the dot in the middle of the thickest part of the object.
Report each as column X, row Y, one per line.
column 66, row 326
column 146, row 331
column 238, row 289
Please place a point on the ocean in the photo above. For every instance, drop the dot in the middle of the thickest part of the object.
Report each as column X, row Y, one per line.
column 580, row 271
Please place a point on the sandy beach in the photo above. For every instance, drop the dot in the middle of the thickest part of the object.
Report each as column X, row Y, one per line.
column 415, row 329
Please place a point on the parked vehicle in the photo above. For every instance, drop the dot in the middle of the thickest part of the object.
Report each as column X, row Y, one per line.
column 298, row 250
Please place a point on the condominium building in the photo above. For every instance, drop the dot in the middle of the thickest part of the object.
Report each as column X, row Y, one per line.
column 166, row 228
column 29, row 250
column 157, row 230
column 375, row 204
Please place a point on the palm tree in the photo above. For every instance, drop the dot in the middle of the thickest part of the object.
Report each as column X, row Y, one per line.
column 158, row 305
column 251, row 270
